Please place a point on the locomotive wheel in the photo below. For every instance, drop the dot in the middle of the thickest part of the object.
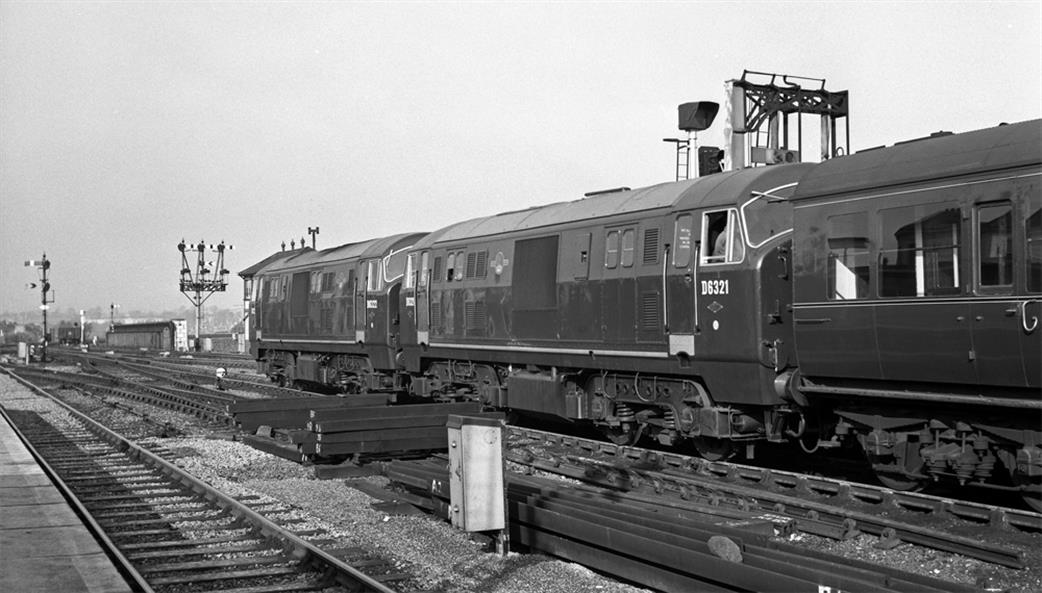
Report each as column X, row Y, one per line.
column 713, row 449
column 620, row 436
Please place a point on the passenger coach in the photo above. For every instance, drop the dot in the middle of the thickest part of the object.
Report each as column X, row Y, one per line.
column 918, row 293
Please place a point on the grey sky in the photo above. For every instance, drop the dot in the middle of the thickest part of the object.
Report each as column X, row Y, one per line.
column 127, row 126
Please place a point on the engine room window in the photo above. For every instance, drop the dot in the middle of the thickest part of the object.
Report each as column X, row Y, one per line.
column 628, row 245
column 450, row 267
column 460, row 263
column 722, row 238
column 436, row 274
column 995, row 244
column 611, row 249
column 848, row 260
column 328, row 281
column 919, row 252
column 682, row 241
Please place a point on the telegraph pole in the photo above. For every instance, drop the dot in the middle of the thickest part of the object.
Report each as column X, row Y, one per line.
column 202, row 280
column 44, row 265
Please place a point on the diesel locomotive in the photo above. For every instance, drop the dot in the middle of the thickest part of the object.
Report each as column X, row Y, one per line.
column 888, row 300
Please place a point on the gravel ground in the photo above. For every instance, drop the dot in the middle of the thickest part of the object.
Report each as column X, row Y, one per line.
column 444, row 559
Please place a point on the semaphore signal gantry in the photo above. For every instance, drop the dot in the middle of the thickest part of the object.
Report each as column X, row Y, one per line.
column 198, row 283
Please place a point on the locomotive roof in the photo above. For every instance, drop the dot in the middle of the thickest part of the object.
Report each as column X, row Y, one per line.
column 720, row 189
column 349, row 251
column 1002, row 147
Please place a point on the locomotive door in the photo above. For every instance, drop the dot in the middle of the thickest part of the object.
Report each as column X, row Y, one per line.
column 423, row 300
column 681, row 319
column 724, row 290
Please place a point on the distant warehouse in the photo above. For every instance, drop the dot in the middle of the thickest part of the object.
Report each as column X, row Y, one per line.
column 159, row 335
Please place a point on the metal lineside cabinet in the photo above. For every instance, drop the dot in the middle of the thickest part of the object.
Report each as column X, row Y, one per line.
column 476, row 473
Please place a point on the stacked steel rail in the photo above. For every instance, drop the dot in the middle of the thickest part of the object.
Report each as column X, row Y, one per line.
column 682, row 466
column 665, row 547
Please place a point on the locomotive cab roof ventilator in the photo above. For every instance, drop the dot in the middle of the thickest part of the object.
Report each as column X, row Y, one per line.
column 765, row 107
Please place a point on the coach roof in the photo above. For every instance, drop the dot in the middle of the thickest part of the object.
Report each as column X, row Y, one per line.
column 935, row 157
column 718, row 190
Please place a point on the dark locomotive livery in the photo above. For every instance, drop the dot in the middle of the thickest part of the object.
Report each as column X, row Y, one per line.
column 888, row 298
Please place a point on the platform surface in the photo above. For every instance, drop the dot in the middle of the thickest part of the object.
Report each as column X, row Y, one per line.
column 44, row 547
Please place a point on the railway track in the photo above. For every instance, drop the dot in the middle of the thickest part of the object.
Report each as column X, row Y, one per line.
column 174, row 532
column 188, row 372
column 210, row 407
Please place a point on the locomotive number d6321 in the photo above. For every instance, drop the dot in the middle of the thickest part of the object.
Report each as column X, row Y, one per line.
column 716, row 286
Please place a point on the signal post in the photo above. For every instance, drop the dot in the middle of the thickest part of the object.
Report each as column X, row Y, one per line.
column 46, row 296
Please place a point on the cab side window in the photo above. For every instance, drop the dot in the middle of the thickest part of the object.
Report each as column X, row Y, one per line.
column 722, row 237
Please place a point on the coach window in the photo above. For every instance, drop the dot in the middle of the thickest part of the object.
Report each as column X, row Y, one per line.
column 721, row 237
column 611, row 250
column 682, row 241
column 995, row 245
column 848, row 267
column 919, row 250
column 1033, row 228
column 628, row 242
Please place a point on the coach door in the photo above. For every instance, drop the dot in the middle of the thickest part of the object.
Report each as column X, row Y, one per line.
column 1006, row 335
column 1030, row 307
column 923, row 320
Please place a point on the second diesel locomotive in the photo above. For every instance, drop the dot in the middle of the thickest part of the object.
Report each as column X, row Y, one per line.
column 888, row 299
